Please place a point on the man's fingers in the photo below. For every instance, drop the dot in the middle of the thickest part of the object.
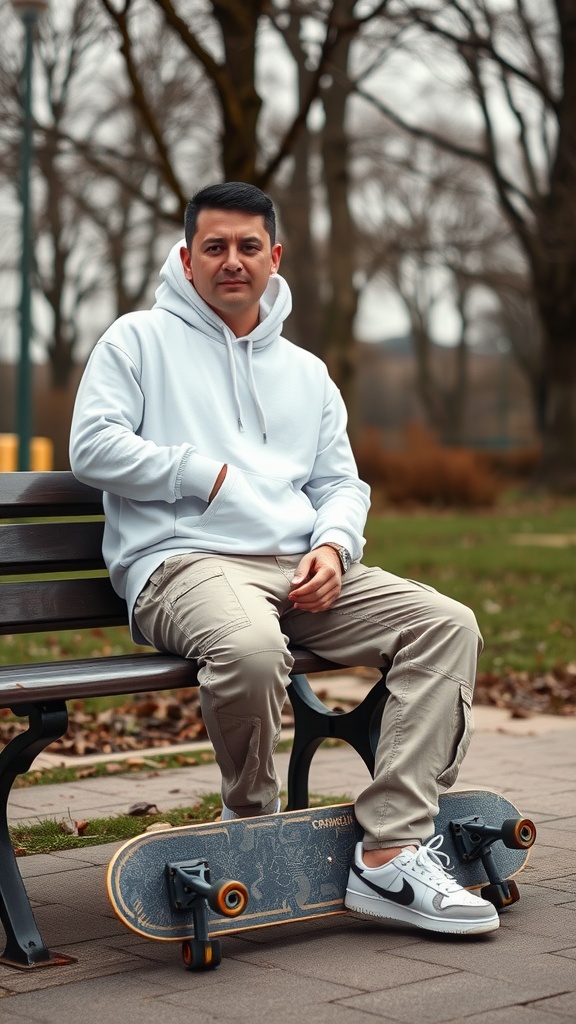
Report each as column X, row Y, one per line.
column 317, row 595
column 317, row 582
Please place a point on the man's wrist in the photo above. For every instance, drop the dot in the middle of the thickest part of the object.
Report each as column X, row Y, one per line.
column 343, row 554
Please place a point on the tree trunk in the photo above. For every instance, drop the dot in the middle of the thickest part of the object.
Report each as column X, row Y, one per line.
column 558, row 464
column 554, row 274
column 239, row 24
column 339, row 343
column 300, row 261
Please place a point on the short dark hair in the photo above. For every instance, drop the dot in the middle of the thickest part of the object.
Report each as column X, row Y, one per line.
column 230, row 195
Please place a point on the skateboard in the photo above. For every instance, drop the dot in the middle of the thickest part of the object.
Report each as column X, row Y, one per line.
column 194, row 883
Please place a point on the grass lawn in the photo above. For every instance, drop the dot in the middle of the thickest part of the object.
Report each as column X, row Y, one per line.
column 514, row 567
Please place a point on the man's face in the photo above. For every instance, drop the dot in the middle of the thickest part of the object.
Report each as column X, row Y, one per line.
column 230, row 264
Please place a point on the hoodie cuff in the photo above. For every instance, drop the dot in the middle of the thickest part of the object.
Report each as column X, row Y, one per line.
column 340, row 538
column 198, row 477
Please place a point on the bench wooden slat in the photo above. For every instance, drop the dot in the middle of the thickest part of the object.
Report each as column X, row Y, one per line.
column 30, row 607
column 24, row 495
column 129, row 673
column 45, row 547
column 71, row 680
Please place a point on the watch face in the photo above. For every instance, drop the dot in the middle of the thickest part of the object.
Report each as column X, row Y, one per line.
column 345, row 559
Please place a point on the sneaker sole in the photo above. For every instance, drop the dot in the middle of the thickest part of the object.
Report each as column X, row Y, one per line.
column 365, row 906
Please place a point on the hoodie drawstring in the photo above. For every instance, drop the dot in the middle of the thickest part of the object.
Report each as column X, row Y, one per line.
column 232, row 363
column 252, row 383
column 254, row 393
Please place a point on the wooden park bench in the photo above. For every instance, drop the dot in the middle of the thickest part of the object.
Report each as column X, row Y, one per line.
column 51, row 526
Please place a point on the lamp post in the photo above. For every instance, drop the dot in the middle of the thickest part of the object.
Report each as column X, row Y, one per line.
column 28, row 11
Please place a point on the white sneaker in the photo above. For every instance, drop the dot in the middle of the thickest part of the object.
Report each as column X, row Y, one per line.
column 228, row 815
column 416, row 888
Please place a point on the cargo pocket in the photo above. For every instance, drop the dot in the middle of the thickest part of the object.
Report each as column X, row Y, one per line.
column 465, row 725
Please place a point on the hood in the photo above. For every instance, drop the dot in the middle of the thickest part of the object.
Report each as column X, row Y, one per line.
column 178, row 296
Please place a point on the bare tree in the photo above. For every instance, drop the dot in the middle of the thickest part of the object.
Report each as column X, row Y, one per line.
column 434, row 235
column 295, row 190
column 221, row 38
column 101, row 203
column 516, row 64
column 341, row 302
column 65, row 51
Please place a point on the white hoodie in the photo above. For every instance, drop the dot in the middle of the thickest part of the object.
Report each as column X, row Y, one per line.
column 169, row 395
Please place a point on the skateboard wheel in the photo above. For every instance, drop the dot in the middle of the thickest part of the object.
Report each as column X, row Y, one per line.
column 518, row 833
column 497, row 895
column 228, row 898
column 199, row 955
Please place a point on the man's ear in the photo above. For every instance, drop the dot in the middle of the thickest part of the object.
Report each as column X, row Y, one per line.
column 276, row 257
column 186, row 263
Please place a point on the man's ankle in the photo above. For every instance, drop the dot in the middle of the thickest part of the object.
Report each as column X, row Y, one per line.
column 377, row 858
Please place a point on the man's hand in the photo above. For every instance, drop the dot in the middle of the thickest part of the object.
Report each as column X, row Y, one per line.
column 218, row 483
column 317, row 582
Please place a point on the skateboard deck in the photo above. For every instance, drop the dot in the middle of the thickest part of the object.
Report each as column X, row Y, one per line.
column 293, row 865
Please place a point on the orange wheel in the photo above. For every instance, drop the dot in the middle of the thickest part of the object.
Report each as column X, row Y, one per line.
column 518, row 833
column 497, row 895
column 228, row 898
column 201, row 956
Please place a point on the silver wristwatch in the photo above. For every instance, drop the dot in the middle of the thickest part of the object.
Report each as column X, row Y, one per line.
column 345, row 557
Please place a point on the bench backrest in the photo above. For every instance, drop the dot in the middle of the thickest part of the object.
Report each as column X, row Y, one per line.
column 52, row 524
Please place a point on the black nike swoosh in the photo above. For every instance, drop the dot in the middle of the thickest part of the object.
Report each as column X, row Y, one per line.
column 403, row 896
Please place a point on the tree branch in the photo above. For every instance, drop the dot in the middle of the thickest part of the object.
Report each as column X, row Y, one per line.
column 140, row 100
column 483, row 45
column 476, row 156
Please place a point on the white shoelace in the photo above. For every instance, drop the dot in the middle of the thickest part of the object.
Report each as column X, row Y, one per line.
column 429, row 859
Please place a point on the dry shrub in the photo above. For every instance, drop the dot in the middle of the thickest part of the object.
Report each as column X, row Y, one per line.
column 518, row 464
column 425, row 473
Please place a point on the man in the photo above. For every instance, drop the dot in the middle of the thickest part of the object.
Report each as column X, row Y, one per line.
column 234, row 520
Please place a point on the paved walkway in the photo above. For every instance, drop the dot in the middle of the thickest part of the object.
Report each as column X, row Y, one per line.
column 338, row 970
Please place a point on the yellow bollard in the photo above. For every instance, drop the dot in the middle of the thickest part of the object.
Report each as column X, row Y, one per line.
column 41, row 453
column 8, row 452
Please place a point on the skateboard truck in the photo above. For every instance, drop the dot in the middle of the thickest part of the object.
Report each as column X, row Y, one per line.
column 474, row 840
column 190, row 888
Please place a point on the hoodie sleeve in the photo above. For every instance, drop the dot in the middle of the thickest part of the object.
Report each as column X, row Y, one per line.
column 341, row 499
column 106, row 450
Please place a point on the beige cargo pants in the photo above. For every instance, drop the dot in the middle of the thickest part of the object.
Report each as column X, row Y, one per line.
column 231, row 614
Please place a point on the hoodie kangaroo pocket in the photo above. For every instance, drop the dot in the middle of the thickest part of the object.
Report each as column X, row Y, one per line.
column 258, row 510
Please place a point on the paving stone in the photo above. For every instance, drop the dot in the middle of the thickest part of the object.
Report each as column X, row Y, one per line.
column 570, row 952
column 450, row 997
column 95, row 961
column 129, row 998
column 530, row 1014
column 563, row 1004
column 277, row 989
column 366, row 968
column 48, row 864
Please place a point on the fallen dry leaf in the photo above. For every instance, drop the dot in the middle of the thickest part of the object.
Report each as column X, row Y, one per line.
column 141, row 809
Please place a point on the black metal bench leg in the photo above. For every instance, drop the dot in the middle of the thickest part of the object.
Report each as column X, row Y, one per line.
column 25, row 947
column 314, row 722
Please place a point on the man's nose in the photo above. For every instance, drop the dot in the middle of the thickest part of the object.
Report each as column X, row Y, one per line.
column 233, row 261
